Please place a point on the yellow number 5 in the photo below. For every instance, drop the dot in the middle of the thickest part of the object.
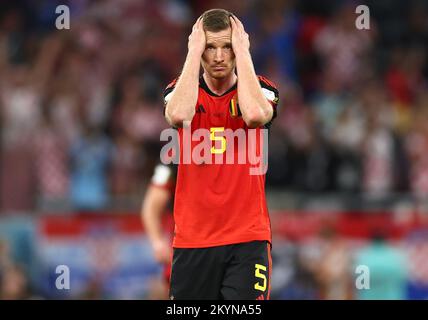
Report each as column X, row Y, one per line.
column 214, row 138
column 260, row 275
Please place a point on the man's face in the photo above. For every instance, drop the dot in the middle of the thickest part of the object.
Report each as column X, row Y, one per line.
column 218, row 59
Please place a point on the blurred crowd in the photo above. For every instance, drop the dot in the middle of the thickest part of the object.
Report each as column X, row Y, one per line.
column 13, row 279
column 327, row 264
column 81, row 109
column 333, row 267
column 81, row 112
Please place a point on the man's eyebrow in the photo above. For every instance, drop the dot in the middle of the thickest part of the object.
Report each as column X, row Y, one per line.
column 211, row 43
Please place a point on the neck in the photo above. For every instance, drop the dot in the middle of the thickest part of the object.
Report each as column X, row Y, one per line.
column 220, row 86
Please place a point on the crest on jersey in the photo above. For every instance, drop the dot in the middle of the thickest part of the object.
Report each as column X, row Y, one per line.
column 234, row 107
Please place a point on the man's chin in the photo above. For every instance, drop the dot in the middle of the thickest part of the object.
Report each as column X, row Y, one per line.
column 219, row 74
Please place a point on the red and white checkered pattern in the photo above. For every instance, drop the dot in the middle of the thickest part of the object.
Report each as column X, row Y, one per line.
column 417, row 254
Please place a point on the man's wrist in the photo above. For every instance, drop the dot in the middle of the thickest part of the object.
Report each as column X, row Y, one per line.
column 193, row 62
column 242, row 52
column 194, row 55
column 158, row 243
column 156, row 240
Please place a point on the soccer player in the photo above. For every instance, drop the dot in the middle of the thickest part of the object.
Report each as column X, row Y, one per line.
column 222, row 236
column 157, row 204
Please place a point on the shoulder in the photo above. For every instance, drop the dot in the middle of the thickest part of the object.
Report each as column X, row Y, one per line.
column 171, row 85
column 266, row 83
column 269, row 89
column 164, row 174
column 169, row 88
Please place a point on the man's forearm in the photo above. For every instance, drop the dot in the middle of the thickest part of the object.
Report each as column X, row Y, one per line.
column 153, row 228
column 151, row 217
column 255, row 109
column 181, row 106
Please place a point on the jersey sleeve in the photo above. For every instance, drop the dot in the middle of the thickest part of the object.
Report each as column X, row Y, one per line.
column 168, row 90
column 164, row 177
column 271, row 93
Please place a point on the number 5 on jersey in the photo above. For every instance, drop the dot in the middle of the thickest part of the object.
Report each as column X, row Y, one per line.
column 214, row 138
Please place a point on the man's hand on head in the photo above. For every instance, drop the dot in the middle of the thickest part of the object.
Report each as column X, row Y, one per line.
column 240, row 38
column 197, row 40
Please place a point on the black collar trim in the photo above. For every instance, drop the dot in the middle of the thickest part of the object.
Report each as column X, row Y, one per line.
column 204, row 86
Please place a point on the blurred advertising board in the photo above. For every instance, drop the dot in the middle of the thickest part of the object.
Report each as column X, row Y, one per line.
column 103, row 256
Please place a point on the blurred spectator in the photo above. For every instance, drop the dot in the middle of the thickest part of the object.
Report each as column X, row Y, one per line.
column 50, row 149
column 20, row 115
column 328, row 104
column 126, row 168
column 307, row 58
column 140, row 119
column 304, row 284
column 13, row 280
column 387, row 270
column 5, row 258
column 90, row 162
column 404, row 76
column 346, row 138
column 379, row 146
column 274, row 32
column 14, row 284
column 341, row 46
column 378, row 158
column 333, row 268
column 417, row 147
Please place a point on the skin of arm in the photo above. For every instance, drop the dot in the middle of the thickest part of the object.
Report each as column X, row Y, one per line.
column 255, row 108
column 181, row 105
column 154, row 204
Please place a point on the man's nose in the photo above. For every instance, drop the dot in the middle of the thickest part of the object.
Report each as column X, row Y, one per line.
column 218, row 56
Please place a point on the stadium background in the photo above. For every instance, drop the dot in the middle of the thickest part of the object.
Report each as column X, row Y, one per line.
column 81, row 114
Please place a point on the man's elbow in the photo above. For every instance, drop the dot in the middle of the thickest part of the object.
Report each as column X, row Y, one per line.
column 177, row 119
column 254, row 123
column 258, row 119
column 174, row 120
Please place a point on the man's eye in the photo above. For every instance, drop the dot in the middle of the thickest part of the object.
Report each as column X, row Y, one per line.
column 210, row 47
column 228, row 46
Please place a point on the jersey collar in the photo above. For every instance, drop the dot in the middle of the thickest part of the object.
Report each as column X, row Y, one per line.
column 204, row 86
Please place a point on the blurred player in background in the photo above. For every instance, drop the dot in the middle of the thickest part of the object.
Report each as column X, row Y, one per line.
column 222, row 237
column 157, row 219
column 387, row 266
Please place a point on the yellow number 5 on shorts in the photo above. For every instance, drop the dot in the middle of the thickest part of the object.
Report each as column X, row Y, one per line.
column 260, row 275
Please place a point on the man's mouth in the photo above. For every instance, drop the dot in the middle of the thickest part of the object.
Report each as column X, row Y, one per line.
column 219, row 68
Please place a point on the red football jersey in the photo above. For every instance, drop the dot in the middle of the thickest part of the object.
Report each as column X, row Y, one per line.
column 220, row 203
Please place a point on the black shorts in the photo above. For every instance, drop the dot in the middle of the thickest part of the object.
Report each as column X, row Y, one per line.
column 233, row 272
